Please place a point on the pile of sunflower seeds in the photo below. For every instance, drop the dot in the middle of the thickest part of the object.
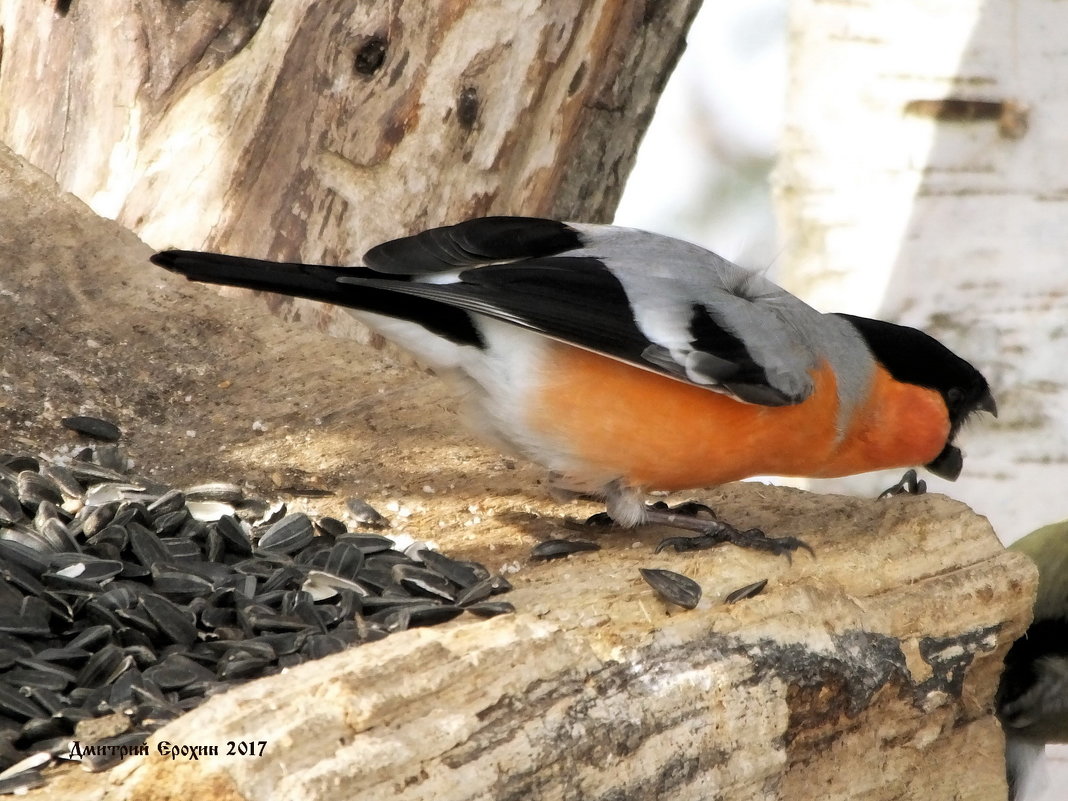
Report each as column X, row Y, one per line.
column 125, row 603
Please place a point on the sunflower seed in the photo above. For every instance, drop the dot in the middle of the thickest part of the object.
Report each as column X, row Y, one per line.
column 17, row 706
column 289, row 534
column 10, row 508
column 673, row 587
column 319, row 645
column 557, row 548
column 172, row 621
column 236, row 539
column 35, row 488
column 177, row 671
column 92, row 427
column 362, row 512
column 344, row 560
column 169, row 522
column 17, row 462
column 64, row 479
column 242, row 666
column 193, row 610
column 179, row 585
column 180, row 548
column 368, row 543
column 21, row 782
column 424, row 582
column 58, row 536
column 458, row 573
column 94, row 519
column 34, row 557
column 31, row 619
column 475, row 593
column 331, row 526
column 748, row 591
column 170, row 501
column 86, row 568
column 85, row 470
column 222, row 491
column 491, row 608
column 45, row 512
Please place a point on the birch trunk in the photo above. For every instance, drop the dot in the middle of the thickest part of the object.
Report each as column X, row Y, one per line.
column 923, row 181
column 312, row 130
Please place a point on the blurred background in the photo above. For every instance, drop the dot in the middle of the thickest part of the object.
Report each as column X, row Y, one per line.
column 703, row 168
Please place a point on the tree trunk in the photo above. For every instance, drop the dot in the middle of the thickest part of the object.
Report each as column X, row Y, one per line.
column 923, row 171
column 312, row 130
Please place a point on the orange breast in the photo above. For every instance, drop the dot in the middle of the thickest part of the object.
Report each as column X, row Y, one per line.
column 618, row 421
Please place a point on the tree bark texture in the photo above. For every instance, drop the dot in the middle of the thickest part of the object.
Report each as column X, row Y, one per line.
column 923, row 180
column 312, row 130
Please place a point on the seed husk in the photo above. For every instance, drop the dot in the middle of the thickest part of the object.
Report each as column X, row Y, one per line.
column 673, row 587
column 218, row 491
column 491, row 608
column 748, row 591
column 365, row 514
column 558, row 548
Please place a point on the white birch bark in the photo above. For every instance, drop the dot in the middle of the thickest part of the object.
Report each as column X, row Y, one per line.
column 949, row 216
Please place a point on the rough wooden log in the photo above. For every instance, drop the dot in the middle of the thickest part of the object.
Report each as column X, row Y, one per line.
column 865, row 672
column 314, row 130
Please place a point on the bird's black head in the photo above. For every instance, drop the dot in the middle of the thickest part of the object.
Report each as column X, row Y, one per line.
column 913, row 357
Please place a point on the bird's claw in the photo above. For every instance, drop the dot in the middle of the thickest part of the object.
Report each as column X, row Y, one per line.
column 599, row 519
column 700, row 542
column 750, row 538
column 689, row 508
column 910, row 484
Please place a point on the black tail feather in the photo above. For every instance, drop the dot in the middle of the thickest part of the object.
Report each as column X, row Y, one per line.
column 320, row 282
column 311, row 281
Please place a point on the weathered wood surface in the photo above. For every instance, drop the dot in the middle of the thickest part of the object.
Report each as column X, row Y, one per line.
column 867, row 672
column 314, row 130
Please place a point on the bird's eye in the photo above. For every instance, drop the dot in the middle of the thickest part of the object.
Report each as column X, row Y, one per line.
column 954, row 396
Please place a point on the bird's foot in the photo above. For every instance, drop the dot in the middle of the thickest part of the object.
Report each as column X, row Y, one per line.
column 691, row 508
column 910, row 484
column 625, row 507
column 599, row 519
column 717, row 533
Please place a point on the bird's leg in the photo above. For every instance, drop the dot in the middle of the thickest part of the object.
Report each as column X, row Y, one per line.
column 625, row 507
column 693, row 508
column 688, row 508
column 910, row 484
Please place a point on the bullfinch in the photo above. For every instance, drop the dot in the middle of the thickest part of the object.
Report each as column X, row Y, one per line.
column 625, row 361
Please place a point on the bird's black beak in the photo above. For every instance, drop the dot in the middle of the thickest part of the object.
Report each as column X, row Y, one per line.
column 948, row 463
column 986, row 404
